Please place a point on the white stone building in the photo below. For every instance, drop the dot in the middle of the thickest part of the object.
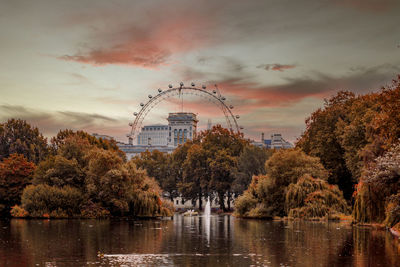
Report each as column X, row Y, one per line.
column 182, row 127
column 156, row 135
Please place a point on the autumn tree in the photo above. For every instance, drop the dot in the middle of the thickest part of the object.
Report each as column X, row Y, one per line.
column 63, row 135
column 211, row 163
column 195, row 174
column 251, row 161
column 265, row 196
column 321, row 140
column 15, row 173
column 378, row 192
column 17, row 136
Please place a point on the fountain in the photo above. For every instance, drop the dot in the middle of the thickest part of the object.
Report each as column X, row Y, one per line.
column 207, row 209
column 207, row 214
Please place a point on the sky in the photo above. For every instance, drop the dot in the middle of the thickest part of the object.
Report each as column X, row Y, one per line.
column 87, row 65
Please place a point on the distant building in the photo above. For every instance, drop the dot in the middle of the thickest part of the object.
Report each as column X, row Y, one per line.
column 182, row 126
column 153, row 135
column 276, row 142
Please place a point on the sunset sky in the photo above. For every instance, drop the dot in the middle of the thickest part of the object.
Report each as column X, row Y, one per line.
column 88, row 64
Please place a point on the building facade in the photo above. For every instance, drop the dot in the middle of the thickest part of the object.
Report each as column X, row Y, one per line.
column 276, row 142
column 156, row 135
column 182, row 127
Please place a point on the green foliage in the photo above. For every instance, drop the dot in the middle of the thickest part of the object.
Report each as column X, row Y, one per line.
column 50, row 201
column 17, row 136
column 59, row 171
column 250, row 162
column 202, row 167
column 162, row 167
column 245, row 203
column 266, row 194
column 15, row 173
column 210, row 165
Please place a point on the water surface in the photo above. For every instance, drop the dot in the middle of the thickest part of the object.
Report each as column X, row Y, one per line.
column 193, row 241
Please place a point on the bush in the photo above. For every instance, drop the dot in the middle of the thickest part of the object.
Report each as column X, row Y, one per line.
column 94, row 210
column 56, row 202
column 19, row 212
column 266, row 195
column 314, row 198
column 245, row 203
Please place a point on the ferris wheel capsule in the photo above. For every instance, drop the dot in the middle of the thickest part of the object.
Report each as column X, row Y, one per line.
column 237, row 116
column 214, row 91
column 130, row 124
column 141, row 104
column 159, row 90
column 181, row 84
column 170, row 85
column 193, row 84
column 231, row 107
column 204, row 87
column 135, row 113
column 223, row 98
column 150, row 96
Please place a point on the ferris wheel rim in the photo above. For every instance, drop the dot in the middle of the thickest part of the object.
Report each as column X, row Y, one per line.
column 173, row 91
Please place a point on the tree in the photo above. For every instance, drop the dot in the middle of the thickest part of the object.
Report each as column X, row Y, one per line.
column 222, row 176
column 195, row 175
column 60, row 171
column 377, row 193
column 17, row 136
column 250, row 162
column 320, row 140
column 15, row 173
column 312, row 198
column 63, row 135
column 210, row 164
column 265, row 196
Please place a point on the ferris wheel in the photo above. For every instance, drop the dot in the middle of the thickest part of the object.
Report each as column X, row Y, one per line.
column 214, row 96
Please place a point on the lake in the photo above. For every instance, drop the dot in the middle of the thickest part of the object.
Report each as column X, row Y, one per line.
column 193, row 241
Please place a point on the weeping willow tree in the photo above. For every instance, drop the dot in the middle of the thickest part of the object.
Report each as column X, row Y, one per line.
column 266, row 195
column 314, row 198
column 378, row 193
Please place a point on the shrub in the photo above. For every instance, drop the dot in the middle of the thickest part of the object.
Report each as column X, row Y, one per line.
column 18, row 212
column 57, row 202
column 245, row 203
column 266, row 195
column 94, row 210
column 314, row 198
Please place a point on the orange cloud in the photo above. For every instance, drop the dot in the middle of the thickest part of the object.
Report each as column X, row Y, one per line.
column 150, row 46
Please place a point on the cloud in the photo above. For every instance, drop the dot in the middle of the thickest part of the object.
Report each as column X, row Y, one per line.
column 276, row 67
column 248, row 93
column 49, row 123
column 123, row 54
column 147, row 40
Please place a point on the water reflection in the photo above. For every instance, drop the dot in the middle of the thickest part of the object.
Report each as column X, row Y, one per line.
column 192, row 241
